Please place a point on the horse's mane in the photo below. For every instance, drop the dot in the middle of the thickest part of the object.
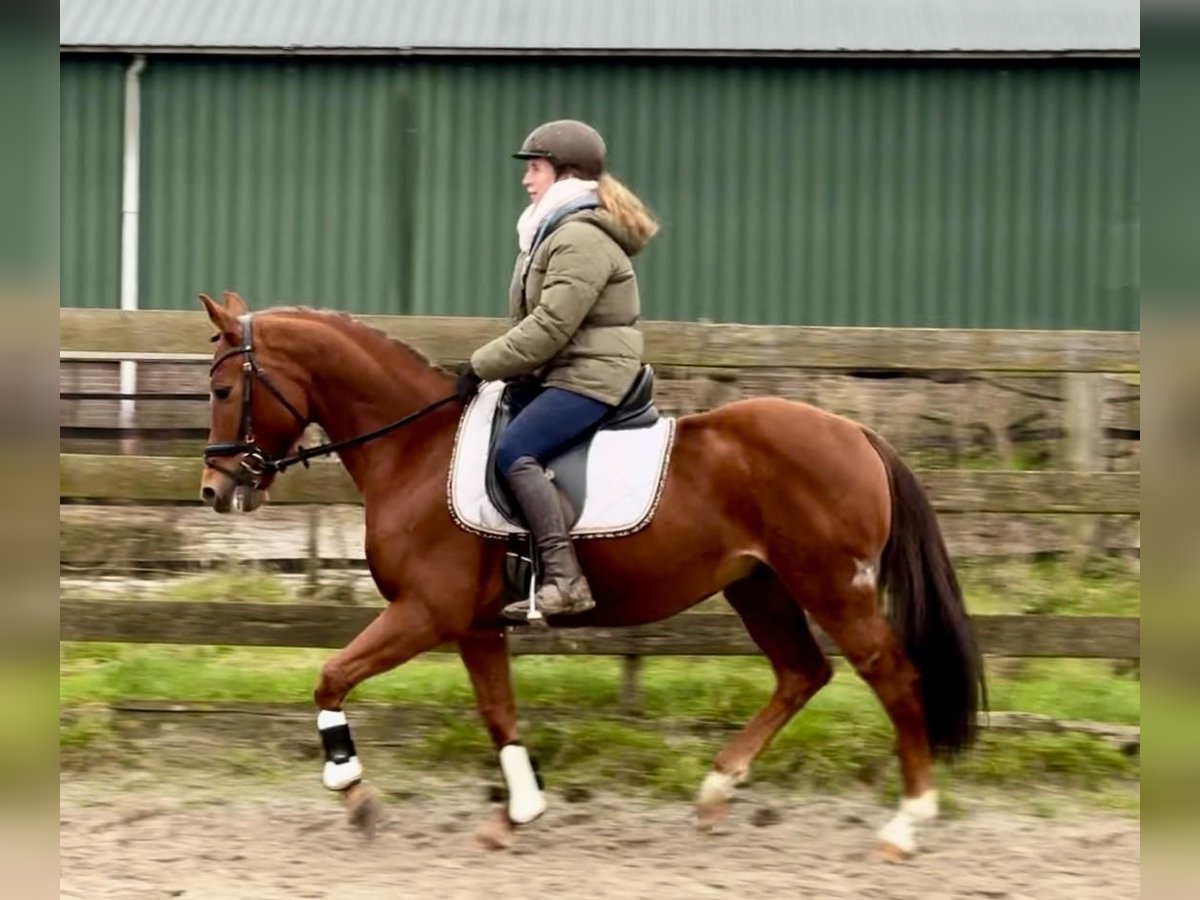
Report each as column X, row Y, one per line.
column 348, row 323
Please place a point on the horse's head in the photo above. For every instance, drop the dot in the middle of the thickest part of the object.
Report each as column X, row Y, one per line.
column 255, row 418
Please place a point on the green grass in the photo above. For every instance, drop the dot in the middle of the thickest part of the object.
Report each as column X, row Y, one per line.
column 247, row 584
column 1028, row 456
column 712, row 690
column 85, row 735
column 570, row 704
column 1101, row 587
column 840, row 740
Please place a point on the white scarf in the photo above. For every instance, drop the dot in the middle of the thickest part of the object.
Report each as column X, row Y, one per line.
column 559, row 194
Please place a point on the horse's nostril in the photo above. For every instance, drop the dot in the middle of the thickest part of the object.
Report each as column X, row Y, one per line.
column 209, row 495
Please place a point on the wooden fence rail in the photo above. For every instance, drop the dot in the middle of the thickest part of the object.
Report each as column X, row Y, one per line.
column 301, row 537
column 113, row 334
column 1070, row 396
column 688, row 634
column 98, row 477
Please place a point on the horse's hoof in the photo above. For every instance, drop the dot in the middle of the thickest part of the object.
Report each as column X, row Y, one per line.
column 712, row 806
column 364, row 808
column 496, row 832
column 710, row 815
column 891, row 853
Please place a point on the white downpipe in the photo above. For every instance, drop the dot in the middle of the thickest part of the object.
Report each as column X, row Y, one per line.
column 130, row 202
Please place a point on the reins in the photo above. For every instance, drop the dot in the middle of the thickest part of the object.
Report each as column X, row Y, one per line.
column 304, row 455
column 256, row 463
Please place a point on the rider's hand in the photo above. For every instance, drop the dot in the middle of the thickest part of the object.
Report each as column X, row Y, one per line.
column 468, row 383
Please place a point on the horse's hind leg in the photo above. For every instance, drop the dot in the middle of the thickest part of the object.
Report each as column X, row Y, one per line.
column 777, row 625
column 849, row 612
column 485, row 654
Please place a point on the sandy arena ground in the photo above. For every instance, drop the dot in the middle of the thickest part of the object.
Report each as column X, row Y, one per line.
column 197, row 835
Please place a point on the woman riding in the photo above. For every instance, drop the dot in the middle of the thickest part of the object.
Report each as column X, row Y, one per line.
column 574, row 302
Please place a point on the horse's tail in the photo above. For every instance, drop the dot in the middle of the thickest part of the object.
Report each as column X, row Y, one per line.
column 925, row 605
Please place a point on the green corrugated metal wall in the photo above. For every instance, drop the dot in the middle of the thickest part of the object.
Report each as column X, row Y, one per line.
column 923, row 195
column 277, row 179
column 91, row 100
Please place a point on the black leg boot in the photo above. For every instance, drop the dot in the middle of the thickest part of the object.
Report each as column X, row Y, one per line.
column 564, row 590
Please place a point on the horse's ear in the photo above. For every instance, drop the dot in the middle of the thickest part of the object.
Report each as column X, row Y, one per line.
column 235, row 304
column 225, row 321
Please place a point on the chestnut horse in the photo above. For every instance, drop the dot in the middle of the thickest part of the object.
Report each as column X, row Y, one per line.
column 790, row 511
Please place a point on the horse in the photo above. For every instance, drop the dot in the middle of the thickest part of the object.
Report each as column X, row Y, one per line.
column 792, row 512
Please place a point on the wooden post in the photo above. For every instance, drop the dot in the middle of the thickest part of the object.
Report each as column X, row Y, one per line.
column 1083, row 396
column 1083, row 393
column 313, row 563
column 631, row 686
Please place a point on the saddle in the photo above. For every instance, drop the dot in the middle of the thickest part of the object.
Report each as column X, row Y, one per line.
column 568, row 470
column 612, row 477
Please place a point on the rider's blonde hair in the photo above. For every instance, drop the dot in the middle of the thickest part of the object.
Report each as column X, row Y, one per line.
column 626, row 207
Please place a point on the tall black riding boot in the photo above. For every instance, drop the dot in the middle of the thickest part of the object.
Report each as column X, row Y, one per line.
column 564, row 590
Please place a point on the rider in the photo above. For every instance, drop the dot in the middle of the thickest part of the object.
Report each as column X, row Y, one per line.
column 574, row 302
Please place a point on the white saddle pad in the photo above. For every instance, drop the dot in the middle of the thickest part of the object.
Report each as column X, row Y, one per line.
column 625, row 475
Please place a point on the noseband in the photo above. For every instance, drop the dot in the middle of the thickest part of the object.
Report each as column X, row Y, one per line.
column 256, row 463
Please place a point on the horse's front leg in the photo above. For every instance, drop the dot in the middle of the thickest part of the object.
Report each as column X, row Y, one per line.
column 485, row 654
column 406, row 628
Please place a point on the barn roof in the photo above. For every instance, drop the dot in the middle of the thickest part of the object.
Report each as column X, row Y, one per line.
column 680, row 28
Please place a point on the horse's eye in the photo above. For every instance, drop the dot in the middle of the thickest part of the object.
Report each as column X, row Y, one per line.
column 222, row 393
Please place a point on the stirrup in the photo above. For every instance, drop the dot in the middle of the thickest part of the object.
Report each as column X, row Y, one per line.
column 533, row 612
column 522, row 611
column 527, row 610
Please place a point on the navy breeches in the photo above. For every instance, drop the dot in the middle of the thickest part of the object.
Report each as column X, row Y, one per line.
column 550, row 424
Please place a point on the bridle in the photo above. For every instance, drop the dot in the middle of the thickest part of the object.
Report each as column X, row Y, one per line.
column 256, row 463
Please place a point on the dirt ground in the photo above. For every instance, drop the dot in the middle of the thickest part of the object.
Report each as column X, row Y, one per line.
column 193, row 834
